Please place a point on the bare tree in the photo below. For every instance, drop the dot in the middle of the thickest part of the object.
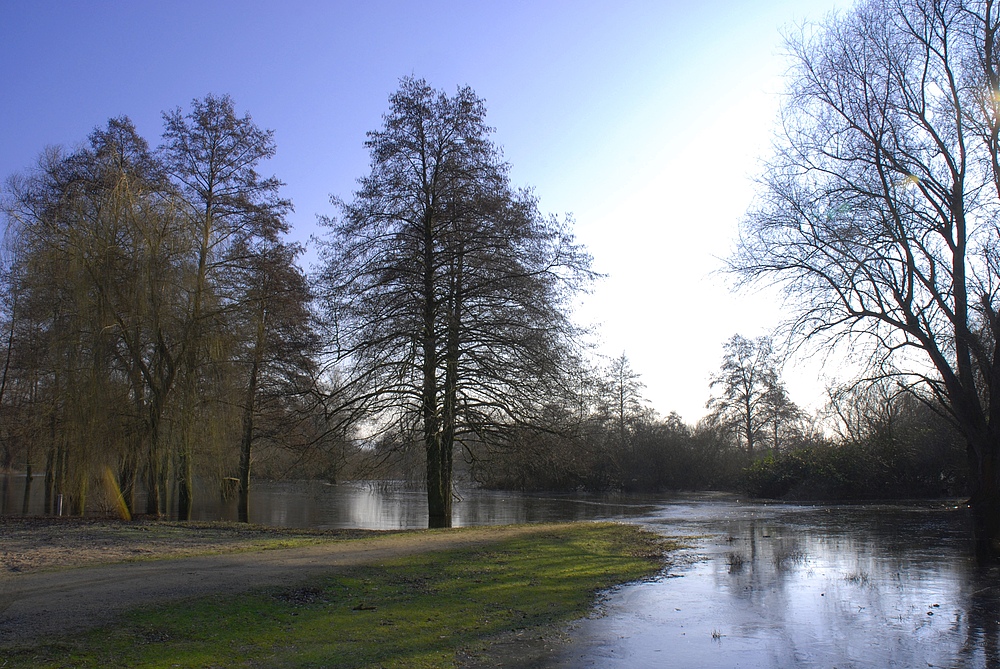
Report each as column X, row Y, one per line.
column 447, row 287
column 278, row 348
column 625, row 394
column 865, row 410
column 782, row 416
column 213, row 154
column 752, row 397
column 879, row 212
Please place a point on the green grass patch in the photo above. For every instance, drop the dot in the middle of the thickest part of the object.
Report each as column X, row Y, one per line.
column 420, row 611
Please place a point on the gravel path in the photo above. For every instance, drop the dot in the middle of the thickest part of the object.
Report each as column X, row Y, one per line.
column 43, row 603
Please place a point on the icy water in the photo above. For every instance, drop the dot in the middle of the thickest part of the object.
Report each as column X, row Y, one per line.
column 768, row 586
column 368, row 505
column 777, row 586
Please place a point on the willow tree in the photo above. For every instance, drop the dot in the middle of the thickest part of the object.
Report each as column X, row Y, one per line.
column 97, row 258
column 880, row 212
column 447, row 288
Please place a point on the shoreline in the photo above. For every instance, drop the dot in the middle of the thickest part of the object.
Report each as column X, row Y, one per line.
column 64, row 604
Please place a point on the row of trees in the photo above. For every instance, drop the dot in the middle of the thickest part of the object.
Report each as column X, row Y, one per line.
column 156, row 317
column 872, row 440
column 881, row 442
column 142, row 319
column 153, row 313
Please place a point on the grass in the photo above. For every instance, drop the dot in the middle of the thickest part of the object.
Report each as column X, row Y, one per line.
column 859, row 578
column 422, row 611
column 736, row 561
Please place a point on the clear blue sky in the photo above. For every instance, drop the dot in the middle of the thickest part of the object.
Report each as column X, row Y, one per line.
column 643, row 119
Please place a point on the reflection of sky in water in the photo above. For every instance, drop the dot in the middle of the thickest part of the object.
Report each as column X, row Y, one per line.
column 795, row 586
column 765, row 586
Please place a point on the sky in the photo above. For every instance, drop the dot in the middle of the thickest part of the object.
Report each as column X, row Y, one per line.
column 644, row 120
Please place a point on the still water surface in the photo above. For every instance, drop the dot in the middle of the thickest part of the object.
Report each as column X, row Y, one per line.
column 374, row 506
column 783, row 585
column 761, row 585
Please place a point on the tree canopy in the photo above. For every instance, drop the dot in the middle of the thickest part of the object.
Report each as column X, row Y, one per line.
column 879, row 211
column 133, row 282
column 448, row 290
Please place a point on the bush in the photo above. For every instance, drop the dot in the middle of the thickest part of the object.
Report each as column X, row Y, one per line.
column 874, row 470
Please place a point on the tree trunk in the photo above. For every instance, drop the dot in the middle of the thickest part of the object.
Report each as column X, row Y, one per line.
column 243, row 504
column 152, row 489
column 50, row 481
column 438, row 480
column 438, row 497
column 985, row 501
column 62, row 462
column 243, row 508
column 78, row 499
column 450, row 399
column 127, row 469
column 185, row 486
column 154, row 465
column 438, row 487
column 25, row 504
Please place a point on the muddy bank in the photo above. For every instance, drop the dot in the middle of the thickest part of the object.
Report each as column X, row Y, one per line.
column 29, row 544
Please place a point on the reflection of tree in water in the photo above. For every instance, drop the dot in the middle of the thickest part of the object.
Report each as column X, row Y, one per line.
column 982, row 627
column 762, row 555
column 857, row 584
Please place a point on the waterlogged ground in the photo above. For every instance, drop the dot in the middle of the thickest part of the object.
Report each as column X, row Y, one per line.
column 777, row 586
column 763, row 586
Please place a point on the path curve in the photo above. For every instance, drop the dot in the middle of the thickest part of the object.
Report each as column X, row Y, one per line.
column 72, row 600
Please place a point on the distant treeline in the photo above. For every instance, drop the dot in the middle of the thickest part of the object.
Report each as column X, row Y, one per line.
column 874, row 444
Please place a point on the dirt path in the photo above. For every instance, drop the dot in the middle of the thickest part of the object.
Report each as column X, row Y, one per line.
column 37, row 603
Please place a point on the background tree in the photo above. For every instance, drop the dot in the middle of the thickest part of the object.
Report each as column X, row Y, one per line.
column 448, row 290
column 752, row 396
column 213, row 154
column 278, row 352
column 781, row 415
column 624, row 393
column 878, row 213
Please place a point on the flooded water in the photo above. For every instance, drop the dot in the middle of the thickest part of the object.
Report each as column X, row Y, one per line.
column 767, row 586
column 388, row 507
column 369, row 505
column 776, row 586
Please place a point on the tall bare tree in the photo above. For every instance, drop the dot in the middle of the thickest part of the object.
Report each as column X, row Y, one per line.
column 278, row 351
column 447, row 287
column 622, row 409
column 214, row 154
column 879, row 211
